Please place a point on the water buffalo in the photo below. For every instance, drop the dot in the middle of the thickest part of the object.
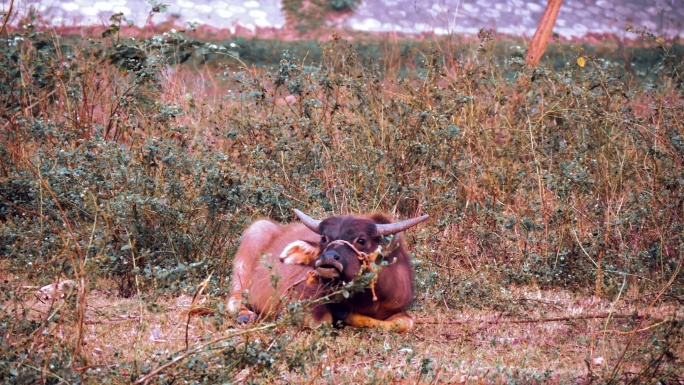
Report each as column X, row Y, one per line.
column 277, row 263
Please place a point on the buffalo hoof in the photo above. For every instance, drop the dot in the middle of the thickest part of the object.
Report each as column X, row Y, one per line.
column 246, row 317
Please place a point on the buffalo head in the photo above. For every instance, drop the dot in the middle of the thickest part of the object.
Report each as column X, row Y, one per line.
column 345, row 240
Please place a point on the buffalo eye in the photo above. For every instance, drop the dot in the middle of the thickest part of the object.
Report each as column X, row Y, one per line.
column 324, row 239
column 361, row 242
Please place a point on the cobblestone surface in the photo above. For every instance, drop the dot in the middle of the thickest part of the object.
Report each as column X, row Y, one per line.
column 576, row 19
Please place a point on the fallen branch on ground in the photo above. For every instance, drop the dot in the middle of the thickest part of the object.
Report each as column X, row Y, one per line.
column 538, row 320
column 114, row 320
column 198, row 349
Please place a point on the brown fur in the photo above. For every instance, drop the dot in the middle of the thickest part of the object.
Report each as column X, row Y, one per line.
column 263, row 244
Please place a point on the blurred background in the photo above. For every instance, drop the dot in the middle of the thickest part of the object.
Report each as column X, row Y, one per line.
column 577, row 18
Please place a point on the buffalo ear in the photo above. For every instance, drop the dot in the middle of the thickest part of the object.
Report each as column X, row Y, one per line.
column 380, row 218
column 299, row 253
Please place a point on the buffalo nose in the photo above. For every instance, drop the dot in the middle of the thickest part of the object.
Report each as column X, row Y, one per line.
column 332, row 254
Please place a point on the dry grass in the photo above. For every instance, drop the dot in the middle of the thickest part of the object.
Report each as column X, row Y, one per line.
column 554, row 337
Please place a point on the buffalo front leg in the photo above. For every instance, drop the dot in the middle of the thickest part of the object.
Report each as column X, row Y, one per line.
column 400, row 322
column 249, row 252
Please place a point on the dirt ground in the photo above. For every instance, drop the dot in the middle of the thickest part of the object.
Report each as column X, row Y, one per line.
column 554, row 337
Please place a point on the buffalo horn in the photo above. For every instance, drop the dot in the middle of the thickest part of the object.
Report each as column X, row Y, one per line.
column 393, row 228
column 382, row 229
column 309, row 222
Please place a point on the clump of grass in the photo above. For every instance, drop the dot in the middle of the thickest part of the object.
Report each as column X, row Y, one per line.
column 124, row 173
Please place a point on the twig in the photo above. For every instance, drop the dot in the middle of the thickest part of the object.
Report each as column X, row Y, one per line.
column 647, row 328
column 198, row 292
column 78, row 266
column 81, row 369
column 590, row 372
column 648, row 309
column 537, row 320
column 22, row 209
column 47, row 373
column 7, row 16
column 540, row 301
column 610, row 311
column 113, row 320
column 190, row 352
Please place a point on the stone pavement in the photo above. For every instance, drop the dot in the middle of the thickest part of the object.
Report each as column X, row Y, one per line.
column 576, row 19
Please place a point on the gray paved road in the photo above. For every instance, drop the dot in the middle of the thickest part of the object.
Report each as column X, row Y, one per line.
column 576, row 19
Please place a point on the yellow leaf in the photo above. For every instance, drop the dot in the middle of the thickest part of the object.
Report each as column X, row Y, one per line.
column 581, row 61
column 660, row 40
